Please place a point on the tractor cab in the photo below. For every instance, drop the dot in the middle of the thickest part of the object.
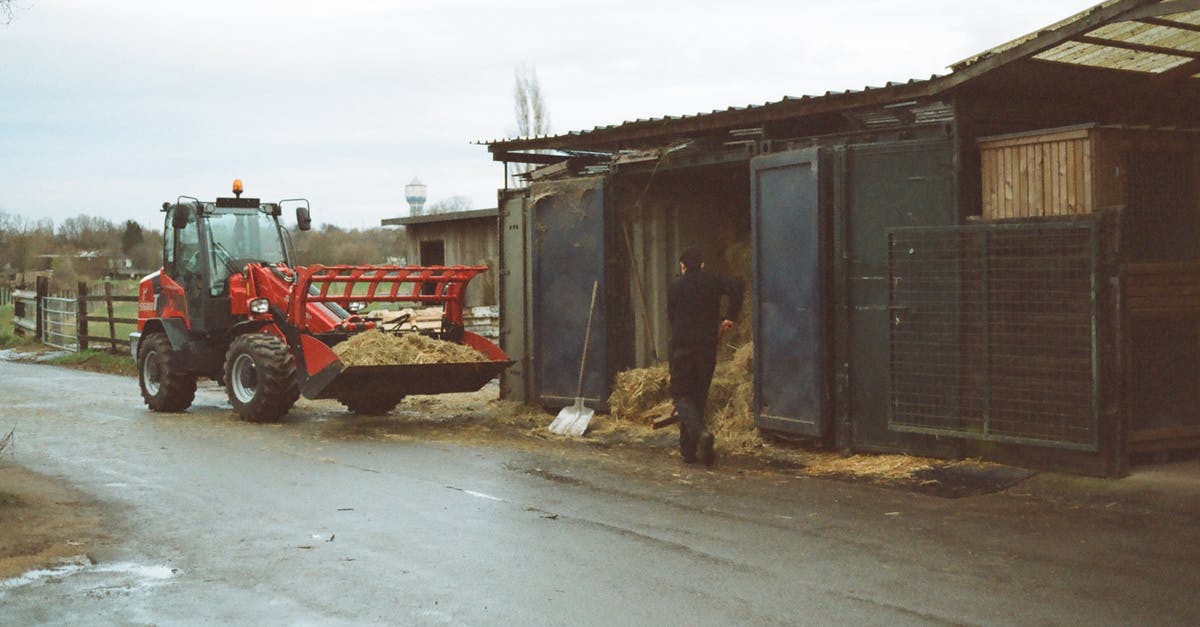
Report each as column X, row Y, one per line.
column 206, row 243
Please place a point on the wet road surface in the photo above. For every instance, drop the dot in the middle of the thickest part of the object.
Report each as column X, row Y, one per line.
column 216, row 520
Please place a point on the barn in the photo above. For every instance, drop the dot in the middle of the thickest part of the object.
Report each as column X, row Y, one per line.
column 999, row 262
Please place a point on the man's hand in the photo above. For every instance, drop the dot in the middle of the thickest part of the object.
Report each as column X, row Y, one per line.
column 726, row 327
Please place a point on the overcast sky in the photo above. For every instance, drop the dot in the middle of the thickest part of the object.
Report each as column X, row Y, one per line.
column 111, row 107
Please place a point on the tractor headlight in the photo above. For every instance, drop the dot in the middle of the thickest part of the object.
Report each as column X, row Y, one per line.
column 356, row 306
column 260, row 306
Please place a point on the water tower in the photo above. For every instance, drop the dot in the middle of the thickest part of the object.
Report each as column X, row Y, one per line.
column 414, row 193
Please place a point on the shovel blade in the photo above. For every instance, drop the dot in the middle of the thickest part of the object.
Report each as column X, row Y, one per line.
column 572, row 420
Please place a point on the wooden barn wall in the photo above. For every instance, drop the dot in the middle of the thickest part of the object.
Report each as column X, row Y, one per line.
column 1047, row 175
column 466, row 242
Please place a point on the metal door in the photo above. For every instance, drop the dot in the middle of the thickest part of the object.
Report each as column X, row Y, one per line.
column 568, row 219
column 904, row 183
column 790, row 390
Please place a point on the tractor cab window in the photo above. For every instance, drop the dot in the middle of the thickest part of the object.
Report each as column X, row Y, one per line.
column 237, row 237
column 183, row 251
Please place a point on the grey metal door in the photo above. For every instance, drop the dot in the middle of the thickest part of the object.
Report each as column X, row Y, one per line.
column 568, row 222
column 790, row 389
column 903, row 183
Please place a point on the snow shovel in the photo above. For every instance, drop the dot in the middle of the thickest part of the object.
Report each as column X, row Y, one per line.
column 574, row 420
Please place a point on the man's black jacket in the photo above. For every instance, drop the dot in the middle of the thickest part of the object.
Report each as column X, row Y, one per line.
column 694, row 308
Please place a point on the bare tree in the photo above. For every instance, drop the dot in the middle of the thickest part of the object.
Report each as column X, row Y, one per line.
column 532, row 117
column 6, row 11
column 450, row 205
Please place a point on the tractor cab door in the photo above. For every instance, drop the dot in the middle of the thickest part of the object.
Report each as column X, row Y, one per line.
column 185, row 263
column 191, row 265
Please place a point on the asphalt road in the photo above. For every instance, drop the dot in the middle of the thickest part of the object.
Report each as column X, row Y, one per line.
column 310, row 522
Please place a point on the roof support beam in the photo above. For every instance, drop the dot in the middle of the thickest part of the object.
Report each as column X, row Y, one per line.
column 1159, row 9
column 1128, row 45
column 1154, row 21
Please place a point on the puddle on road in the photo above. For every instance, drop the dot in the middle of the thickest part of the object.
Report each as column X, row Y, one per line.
column 125, row 576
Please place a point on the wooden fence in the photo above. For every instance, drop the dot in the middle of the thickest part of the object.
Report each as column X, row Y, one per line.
column 76, row 321
column 6, row 296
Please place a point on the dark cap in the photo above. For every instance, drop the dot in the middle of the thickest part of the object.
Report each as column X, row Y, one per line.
column 691, row 257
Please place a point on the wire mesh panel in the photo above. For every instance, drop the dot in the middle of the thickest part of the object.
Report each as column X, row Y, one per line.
column 59, row 326
column 993, row 332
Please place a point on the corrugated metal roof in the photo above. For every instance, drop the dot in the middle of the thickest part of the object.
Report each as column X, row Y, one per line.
column 701, row 114
column 1157, row 37
column 432, row 218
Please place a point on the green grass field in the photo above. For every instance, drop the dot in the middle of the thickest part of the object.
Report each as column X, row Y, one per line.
column 8, row 337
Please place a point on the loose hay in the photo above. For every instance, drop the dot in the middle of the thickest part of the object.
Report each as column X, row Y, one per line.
column 641, row 395
column 374, row 348
column 883, row 467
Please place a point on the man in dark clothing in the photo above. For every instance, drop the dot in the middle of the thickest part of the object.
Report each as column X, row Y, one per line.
column 694, row 314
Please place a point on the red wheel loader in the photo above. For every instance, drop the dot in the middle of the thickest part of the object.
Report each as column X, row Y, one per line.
column 230, row 304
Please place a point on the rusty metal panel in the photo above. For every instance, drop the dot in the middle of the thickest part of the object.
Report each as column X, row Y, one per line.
column 790, row 373
column 569, row 253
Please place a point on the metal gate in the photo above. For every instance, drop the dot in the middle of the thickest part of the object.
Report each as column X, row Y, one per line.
column 59, row 325
column 993, row 332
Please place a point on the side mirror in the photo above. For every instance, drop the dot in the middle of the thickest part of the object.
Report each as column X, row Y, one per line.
column 303, row 219
column 179, row 216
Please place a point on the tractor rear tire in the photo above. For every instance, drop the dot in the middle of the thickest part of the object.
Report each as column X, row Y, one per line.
column 165, row 387
column 371, row 405
column 260, row 377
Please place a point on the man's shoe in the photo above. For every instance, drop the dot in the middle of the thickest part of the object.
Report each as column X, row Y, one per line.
column 708, row 456
column 687, row 445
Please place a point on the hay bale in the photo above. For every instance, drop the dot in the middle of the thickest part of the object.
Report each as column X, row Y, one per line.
column 375, row 348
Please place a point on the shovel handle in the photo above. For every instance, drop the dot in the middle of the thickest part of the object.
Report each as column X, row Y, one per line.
column 587, row 336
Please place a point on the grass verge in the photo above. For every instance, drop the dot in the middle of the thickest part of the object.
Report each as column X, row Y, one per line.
column 98, row 361
column 8, row 338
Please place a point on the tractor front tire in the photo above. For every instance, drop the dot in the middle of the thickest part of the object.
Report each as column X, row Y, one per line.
column 260, row 377
column 371, row 405
column 165, row 387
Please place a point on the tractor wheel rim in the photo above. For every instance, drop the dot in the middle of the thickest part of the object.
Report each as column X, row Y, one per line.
column 244, row 378
column 151, row 375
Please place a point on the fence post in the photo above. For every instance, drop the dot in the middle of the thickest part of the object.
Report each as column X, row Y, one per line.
column 112, row 324
column 41, row 290
column 81, row 315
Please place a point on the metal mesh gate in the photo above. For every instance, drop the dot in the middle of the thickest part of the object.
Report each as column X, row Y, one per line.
column 59, row 324
column 993, row 332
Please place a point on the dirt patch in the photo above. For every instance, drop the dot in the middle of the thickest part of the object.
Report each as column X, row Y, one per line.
column 42, row 522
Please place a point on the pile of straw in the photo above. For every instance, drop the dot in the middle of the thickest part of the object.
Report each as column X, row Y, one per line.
column 641, row 395
column 373, row 348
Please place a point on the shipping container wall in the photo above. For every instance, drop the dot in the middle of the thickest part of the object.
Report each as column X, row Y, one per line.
column 513, row 274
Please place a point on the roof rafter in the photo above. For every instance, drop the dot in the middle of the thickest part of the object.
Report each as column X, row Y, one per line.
column 1136, row 47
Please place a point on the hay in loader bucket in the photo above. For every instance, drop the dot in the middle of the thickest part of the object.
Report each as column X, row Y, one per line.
column 376, row 348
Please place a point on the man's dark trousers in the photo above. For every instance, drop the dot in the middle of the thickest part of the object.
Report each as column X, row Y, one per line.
column 691, row 375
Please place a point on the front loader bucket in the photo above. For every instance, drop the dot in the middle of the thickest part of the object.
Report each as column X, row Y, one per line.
column 402, row 380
